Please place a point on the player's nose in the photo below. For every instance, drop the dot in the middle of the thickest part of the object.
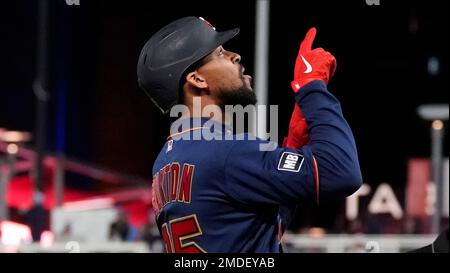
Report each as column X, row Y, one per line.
column 235, row 58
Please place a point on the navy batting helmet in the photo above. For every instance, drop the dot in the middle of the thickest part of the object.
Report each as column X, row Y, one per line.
column 169, row 52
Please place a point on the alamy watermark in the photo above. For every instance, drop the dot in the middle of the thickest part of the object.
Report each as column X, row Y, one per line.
column 73, row 2
column 242, row 116
column 73, row 247
column 373, row 2
column 372, row 247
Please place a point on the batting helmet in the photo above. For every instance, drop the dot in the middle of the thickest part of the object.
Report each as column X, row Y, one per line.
column 172, row 50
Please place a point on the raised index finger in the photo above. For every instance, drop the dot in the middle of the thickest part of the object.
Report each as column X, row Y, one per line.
column 306, row 44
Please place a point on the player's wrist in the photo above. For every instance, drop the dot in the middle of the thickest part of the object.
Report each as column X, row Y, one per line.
column 296, row 85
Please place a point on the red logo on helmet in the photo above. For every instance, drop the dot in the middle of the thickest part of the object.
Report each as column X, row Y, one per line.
column 208, row 23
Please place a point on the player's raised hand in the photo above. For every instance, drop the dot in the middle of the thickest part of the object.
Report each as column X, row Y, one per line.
column 312, row 64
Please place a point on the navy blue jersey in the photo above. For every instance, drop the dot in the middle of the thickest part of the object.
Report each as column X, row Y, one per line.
column 229, row 196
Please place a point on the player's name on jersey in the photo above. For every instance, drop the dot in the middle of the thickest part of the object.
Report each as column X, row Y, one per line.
column 172, row 183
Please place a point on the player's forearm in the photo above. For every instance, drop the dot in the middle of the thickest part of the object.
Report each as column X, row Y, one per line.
column 332, row 141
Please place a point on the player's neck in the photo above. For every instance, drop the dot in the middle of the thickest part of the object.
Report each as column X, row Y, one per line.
column 204, row 107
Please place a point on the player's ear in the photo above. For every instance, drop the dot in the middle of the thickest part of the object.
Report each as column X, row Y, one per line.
column 196, row 79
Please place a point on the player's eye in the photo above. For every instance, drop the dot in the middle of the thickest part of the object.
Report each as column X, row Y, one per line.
column 221, row 52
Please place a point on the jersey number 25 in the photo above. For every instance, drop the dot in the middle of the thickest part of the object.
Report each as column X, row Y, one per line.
column 179, row 230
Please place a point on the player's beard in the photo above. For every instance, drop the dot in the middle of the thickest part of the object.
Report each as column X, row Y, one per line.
column 242, row 96
column 239, row 96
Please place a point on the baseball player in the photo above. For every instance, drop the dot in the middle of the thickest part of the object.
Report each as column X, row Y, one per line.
column 228, row 195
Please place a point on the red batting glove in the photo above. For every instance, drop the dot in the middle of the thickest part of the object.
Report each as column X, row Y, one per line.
column 298, row 130
column 312, row 65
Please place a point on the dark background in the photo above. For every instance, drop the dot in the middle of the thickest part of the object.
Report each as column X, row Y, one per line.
column 97, row 113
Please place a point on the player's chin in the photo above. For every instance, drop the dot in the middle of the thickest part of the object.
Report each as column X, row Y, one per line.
column 248, row 81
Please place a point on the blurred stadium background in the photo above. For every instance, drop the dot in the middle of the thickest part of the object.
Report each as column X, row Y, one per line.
column 78, row 138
